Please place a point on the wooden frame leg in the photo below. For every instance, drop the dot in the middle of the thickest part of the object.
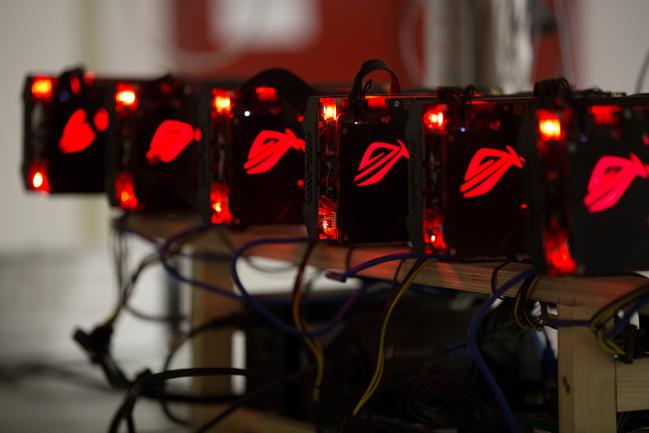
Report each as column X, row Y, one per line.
column 587, row 384
column 211, row 348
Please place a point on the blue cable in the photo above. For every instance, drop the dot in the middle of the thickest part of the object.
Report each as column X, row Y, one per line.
column 342, row 276
column 254, row 302
column 477, row 356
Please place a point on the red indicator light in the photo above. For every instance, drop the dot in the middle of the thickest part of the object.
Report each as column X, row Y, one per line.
column 435, row 119
column 645, row 139
column 434, row 231
column 300, row 183
column 557, row 255
column 171, row 138
column 377, row 161
column 38, row 180
column 328, row 109
column 268, row 148
column 219, row 204
column 266, row 94
column 486, row 168
column 549, row 125
column 125, row 96
column 221, row 102
column 42, row 88
column 610, row 179
column 605, row 114
column 125, row 192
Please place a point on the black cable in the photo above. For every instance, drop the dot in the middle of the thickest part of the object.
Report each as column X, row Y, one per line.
column 234, row 320
column 642, row 73
column 146, row 382
column 494, row 275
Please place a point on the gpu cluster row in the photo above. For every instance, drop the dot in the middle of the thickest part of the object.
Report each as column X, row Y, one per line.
column 559, row 175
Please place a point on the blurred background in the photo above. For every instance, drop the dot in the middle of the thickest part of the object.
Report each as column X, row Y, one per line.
column 55, row 266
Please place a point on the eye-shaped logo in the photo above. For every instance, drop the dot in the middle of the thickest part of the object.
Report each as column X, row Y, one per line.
column 486, row 168
column 78, row 134
column 171, row 138
column 268, row 148
column 377, row 161
column 610, row 179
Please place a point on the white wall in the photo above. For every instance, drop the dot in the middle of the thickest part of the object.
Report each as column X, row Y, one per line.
column 613, row 38
column 110, row 37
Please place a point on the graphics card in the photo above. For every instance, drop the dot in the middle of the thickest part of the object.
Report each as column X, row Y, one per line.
column 252, row 166
column 587, row 185
column 64, row 133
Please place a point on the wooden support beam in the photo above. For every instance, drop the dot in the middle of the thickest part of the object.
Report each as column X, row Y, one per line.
column 586, row 379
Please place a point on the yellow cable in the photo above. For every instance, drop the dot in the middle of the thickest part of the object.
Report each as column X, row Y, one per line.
column 380, row 361
column 312, row 343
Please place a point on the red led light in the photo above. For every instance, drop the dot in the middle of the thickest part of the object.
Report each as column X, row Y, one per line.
column 38, row 179
column 169, row 140
column 266, row 94
column 42, row 88
column 549, row 125
column 557, row 254
column 221, row 102
column 605, row 114
column 300, row 183
column 435, row 119
column 268, row 148
column 377, row 161
column 434, row 231
column 610, row 179
column 125, row 96
column 125, row 192
column 328, row 109
column 486, row 169
column 219, row 204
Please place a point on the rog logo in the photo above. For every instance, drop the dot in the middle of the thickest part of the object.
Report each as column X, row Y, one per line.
column 78, row 135
column 171, row 138
column 486, row 168
column 378, row 160
column 610, row 179
column 268, row 148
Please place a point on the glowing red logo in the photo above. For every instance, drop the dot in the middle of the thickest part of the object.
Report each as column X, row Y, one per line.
column 610, row 179
column 78, row 135
column 171, row 138
column 486, row 168
column 377, row 161
column 268, row 148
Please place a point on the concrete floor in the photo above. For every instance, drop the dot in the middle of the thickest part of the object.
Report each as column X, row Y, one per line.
column 46, row 383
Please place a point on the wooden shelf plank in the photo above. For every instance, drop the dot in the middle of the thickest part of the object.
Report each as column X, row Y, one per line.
column 470, row 277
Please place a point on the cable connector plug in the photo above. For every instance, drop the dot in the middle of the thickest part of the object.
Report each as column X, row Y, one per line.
column 96, row 344
column 635, row 343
